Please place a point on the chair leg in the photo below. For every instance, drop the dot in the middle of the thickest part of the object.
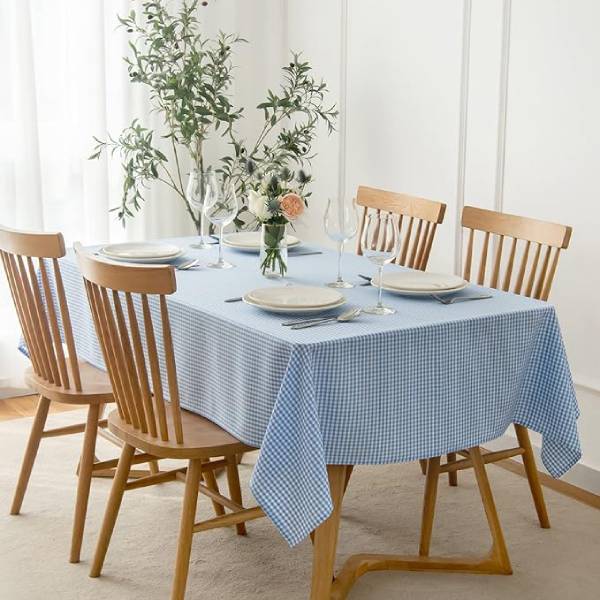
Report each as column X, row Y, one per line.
column 211, row 483
column 235, row 491
column 153, row 466
column 112, row 509
column 452, row 475
column 423, row 463
column 85, row 478
column 186, row 529
column 498, row 544
column 532, row 476
column 33, row 444
column 431, row 485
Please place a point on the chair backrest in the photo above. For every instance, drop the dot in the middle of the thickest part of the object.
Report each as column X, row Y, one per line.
column 35, row 305
column 535, row 248
column 139, row 397
column 418, row 220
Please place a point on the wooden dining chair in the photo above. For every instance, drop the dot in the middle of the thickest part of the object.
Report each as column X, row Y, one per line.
column 519, row 255
column 126, row 301
column 418, row 221
column 31, row 264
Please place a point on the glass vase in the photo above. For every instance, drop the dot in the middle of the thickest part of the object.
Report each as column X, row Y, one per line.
column 273, row 250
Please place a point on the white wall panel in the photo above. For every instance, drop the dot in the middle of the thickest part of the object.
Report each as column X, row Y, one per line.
column 484, row 98
column 314, row 27
column 404, row 74
column 553, row 151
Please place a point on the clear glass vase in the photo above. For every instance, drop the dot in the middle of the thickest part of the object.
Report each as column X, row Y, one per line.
column 273, row 250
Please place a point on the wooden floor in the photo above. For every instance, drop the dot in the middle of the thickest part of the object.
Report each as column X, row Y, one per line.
column 24, row 406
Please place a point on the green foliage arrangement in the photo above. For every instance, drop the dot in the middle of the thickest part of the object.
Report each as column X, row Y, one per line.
column 189, row 77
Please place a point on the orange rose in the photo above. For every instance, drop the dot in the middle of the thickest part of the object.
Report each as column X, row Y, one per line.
column 292, row 206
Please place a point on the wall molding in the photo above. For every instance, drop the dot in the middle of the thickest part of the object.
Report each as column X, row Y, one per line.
column 502, row 107
column 462, row 133
column 343, row 103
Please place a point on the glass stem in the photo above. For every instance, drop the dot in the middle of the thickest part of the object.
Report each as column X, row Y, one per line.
column 221, row 243
column 340, row 250
column 379, row 303
column 201, row 229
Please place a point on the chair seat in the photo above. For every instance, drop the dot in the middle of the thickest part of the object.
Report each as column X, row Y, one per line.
column 95, row 384
column 202, row 438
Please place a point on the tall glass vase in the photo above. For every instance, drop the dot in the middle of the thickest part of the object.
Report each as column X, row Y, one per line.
column 273, row 250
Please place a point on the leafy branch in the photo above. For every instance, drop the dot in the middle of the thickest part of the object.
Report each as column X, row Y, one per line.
column 189, row 78
column 291, row 121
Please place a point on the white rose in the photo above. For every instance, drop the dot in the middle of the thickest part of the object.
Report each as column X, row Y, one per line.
column 257, row 203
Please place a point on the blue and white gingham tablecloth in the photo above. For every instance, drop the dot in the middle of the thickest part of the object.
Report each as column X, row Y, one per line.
column 425, row 381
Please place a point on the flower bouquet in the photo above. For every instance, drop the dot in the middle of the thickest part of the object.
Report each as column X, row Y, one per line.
column 275, row 201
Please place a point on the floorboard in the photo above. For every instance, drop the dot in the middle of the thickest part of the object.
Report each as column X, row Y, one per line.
column 24, row 406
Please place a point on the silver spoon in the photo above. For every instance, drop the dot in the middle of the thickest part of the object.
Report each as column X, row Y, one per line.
column 345, row 317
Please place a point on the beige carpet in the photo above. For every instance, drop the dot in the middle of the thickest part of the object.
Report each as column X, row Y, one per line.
column 381, row 514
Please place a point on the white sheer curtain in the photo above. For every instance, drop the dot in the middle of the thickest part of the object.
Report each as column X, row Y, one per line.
column 63, row 81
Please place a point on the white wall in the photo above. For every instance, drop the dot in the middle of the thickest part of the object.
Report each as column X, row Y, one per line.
column 489, row 103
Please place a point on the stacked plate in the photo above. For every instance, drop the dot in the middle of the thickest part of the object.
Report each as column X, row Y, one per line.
column 419, row 283
column 249, row 241
column 142, row 252
column 294, row 299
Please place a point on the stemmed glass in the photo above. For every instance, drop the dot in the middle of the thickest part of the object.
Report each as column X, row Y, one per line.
column 380, row 243
column 195, row 194
column 220, row 208
column 341, row 224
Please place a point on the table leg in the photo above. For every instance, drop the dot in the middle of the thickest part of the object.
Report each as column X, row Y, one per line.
column 496, row 561
column 326, row 536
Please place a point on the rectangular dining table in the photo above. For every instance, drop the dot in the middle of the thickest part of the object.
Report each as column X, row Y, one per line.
column 426, row 381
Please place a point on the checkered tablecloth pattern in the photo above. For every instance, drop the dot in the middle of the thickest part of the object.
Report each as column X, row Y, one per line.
column 429, row 380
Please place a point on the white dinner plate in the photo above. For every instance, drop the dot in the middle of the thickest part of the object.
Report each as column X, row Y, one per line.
column 249, row 241
column 142, row 252
column 419, row 283
column 295, row 296
column 294, row 310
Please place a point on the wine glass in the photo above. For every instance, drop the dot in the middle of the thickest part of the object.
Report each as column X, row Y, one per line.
column 380, row 243
column 220, row 208
column 195, row 194
column 341, row 224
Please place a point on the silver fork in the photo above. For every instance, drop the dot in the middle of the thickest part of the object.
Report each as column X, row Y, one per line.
column 187, row 265
column 455, row 299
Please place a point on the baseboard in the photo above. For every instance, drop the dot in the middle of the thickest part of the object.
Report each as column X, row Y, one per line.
column 562, row 487
column 587, row 383
column 581, row 475
column 13, row 392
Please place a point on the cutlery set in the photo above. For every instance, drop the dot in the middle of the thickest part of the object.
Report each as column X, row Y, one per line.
column 345, row 317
